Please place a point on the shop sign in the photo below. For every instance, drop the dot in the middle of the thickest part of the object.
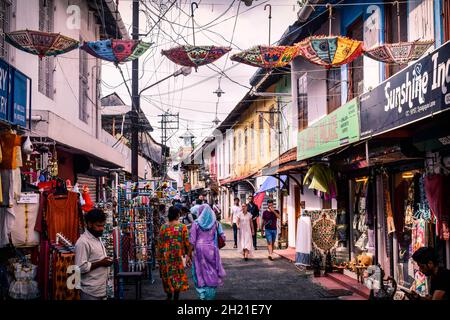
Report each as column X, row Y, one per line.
column 29, row 198
column 417, row 92
column 337, row 129
column 15, row 95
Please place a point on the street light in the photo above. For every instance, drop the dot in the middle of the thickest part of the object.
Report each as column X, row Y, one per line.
column 185, row 71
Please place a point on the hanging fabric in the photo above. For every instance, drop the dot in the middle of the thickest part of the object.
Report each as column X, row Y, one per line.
column 303, row 244
column 388, row 206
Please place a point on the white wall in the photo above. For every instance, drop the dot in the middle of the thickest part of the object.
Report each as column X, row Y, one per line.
column 66, row 74
column 421, row 20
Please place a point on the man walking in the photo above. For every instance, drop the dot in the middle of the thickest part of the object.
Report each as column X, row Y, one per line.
column 270, row 217
column 254, row 211
column 91, row 258
column 235, row 211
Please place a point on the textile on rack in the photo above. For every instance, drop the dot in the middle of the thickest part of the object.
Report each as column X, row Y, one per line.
column 400, row 200
column 435, row 192
column 12, row 185
column 44, row 268
column 388, row 206
column 63, row 216
column 303, row 244
column 419, row 234
column 11, row 145
column 61, row 261
column 321, row 178
column 323, row 231
column 23, row 233
column 371, row 202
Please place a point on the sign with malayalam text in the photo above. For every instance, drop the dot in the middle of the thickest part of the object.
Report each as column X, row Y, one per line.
column 337, row 129
column 416, row 92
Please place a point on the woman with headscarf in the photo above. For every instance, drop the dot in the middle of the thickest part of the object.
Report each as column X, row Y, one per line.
column 207, row 269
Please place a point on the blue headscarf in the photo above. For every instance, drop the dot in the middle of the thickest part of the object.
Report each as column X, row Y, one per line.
column 206, row 218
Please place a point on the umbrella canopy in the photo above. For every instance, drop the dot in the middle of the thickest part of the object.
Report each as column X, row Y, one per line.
column 41, row 43
column 400, row 52
column 330, row 51
column 267, row 56
column 117, row 51
column 195, row 56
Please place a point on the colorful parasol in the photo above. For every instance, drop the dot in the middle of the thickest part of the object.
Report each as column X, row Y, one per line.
column 330, row 51
column 116, row 51
column 267, row 56
column 399, row 53
column 195, row 56
column 41, row 43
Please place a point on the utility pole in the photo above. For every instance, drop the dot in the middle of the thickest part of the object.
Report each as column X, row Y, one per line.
column 168, row 122
column 135, row 104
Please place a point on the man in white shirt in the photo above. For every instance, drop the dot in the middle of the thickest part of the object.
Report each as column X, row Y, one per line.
column 235, row 211
column 91, row 258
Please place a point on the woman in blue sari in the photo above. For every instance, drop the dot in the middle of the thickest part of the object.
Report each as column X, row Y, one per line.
column 207, row 269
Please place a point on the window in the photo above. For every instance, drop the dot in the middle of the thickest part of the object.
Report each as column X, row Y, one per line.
column 46, row 64
column 83, row 85
column 252, row 142
column 5, row 8
column 302, row 103
column 245, row 151
column 333, row 89
column 356, row 67
column 272, row 141
column 261, row 136
column 391, row 27
column 446, row 15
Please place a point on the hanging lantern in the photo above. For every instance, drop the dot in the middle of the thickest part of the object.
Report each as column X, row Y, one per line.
column 195, row 56
column 116, row 51
column 41, row 43
column 267, row 56
column 330, row 51
column 399, row 53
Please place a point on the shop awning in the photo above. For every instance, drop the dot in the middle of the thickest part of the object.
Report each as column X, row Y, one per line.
column 284, row 168
column 231, row 180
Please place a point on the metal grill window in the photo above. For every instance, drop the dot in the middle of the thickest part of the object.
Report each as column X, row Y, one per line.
column 46, row 64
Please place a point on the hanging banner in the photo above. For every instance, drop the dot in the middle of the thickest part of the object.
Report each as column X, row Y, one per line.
column 337, row 129
column 416, row 92
column 19, row 110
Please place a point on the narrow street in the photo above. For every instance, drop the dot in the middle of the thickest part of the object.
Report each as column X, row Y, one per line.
column 255, row 279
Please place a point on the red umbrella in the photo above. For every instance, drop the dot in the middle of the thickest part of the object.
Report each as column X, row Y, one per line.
column 195, row 56
column 41, row 43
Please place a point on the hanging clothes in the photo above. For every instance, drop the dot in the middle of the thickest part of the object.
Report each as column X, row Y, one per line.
column 61, row 261
column 63, row 216
column 24, row 286
column 303, row 244
column 11, row 151
column 321, row 178
column 388, row 206
column 12, row 184
column 401, row 196
column 435, row 193
column 23, row 233
column 371, row 202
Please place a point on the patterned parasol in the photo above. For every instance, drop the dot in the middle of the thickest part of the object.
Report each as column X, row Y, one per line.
column 267, row 56
column 330, row 51
column 41, row 43
column 117, row 51
column 195, row 56
column 399, row 53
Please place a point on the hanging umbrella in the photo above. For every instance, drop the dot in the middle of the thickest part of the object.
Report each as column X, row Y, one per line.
column 195, row 56
column 267, row 56
column 117, row 51
column 399, row 53
column 41, row 43
column 330, row 51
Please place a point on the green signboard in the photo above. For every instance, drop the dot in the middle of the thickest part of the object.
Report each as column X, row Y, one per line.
column 337, row 129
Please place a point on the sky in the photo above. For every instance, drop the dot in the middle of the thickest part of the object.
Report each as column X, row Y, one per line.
column 192, row 96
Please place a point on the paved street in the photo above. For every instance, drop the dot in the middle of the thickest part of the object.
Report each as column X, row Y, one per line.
column 256, row 279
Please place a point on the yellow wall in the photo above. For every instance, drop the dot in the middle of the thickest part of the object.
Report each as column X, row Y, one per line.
column 244, row 166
